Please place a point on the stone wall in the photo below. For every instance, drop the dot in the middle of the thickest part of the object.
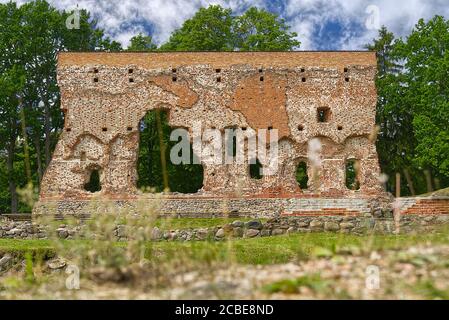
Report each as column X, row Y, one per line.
column 424, row 205
column 105, row 95
column 239, row 229
column 203, row 206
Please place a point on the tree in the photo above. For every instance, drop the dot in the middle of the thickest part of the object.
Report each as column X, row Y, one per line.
column 216, row 29
column 412, row 107
column 396, row 143
column 260, row 30
column 12, row 78
column 142, row 43
column 30, row 38
column 88, row 37
column 426, row 53
column 208, row 30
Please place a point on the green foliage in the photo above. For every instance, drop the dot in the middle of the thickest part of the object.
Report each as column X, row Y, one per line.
column 184, row 178
column 301, row 175
column 260, row 30
column 291, row 286
column 413, row 107
column 283, row 249
column 30, row 38
column 255, row 170
column 426, row 78
column 430, row 290
column 217, row 29
column 141, row 43
column 208, row 30
column 351, row 175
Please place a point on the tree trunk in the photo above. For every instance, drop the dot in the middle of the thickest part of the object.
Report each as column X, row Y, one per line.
column 428, row 180
column 409, row 182
column 47, row 131
column 10, row 167
column 37, row 146
column 26, row 151
column 398, row 185
column 437, row 183
column 162, row 149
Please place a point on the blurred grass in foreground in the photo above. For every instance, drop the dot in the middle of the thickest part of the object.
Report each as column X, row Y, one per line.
column 265, row 250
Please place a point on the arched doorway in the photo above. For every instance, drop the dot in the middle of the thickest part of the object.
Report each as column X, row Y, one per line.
column 154, row 168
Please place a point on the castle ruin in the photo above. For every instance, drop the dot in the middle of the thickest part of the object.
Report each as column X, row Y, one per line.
column 329, row 97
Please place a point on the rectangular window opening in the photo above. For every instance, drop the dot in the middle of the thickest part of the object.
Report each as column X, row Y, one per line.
column 323, row 114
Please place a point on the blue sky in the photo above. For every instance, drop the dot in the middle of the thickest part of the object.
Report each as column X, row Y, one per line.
column 320, row 24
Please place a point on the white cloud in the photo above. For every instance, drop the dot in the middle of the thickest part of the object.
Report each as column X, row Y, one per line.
column 122, row 19
column 308, row 16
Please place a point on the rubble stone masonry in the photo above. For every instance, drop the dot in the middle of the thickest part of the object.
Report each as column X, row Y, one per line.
column 105, row 95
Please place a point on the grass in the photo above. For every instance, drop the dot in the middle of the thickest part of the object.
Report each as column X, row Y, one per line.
column 291, row 286
column 441, row 192
column 266, row 250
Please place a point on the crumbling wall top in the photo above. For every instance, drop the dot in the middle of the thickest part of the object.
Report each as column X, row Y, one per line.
column 152, row 60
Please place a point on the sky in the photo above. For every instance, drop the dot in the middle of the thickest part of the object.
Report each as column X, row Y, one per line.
column 320, row 24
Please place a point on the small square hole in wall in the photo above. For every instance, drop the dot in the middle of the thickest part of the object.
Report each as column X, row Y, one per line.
column 129, row 128
column 261, row 78
column 303, row 79
column 340, row 128
column 243, row 128
column 303, row 70
column 68, row 129
column 130, row 70
column 260, row 70
column 95, row 70
column 345, row 69
column 131, row 80
column 300, row 127
column 217, row 70
column 95, row 79
column 104, row 129
column 174, row 79
column 173, row 70
column 218, row 79
column 323, row 114
column 347, row 79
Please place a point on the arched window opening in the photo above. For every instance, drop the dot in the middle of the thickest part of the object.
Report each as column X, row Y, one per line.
column 93, row 184
column 352, row 181
column 255, row 170
column 231, row 142
column 301, row 175
column 153, row 164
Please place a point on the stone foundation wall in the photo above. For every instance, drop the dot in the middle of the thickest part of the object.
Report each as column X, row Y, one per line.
column 196, row 206
column 239, row 229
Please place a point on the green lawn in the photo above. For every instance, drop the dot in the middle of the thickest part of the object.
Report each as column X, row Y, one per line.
column 266, row 250
column 441, row 192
